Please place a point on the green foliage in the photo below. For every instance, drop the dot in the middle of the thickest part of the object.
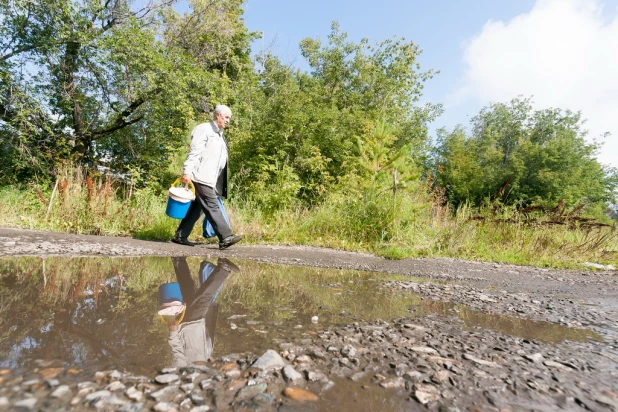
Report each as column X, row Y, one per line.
column 310, row 123
column 110, row 83
column 523, row 157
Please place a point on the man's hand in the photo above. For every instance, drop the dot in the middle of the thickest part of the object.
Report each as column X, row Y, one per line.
column 173, row 326
column 185, row 178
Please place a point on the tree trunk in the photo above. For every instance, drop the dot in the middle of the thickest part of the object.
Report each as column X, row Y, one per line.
column 71, row 97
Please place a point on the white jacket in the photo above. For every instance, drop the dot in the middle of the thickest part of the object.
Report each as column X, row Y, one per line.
column 207, row 156
column 191, row 343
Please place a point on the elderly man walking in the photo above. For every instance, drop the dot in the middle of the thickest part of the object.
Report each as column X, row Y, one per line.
column 206, row 167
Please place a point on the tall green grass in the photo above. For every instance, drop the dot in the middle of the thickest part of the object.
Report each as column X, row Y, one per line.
column 87, row 205
column 410, row 223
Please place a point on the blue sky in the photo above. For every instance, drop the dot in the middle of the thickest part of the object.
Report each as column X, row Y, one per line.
column 439, row 27
column 557, row 48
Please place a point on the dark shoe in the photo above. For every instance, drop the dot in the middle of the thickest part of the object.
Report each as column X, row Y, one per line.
column 227, row 265
column 182, row 241
column 229, row 241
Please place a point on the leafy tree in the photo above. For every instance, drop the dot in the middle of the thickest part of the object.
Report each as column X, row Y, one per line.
column 309, row 123
column 523, row 156
column 100, row 80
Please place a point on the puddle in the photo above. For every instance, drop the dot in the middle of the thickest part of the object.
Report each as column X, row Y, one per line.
column 101, row 313
column 523, row 328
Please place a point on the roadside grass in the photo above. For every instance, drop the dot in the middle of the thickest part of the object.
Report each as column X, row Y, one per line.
column 411, row 224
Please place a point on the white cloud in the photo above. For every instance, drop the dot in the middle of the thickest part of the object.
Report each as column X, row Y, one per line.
column 564, row 53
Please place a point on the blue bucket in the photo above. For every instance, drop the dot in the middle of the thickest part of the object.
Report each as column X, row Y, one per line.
column 176, row 209
column 178, row 203
column 169, row 292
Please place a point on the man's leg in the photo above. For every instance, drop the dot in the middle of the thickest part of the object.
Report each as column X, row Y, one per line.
column 183, row 276
column 206, row 294
column 209, row 202
column 186, row 224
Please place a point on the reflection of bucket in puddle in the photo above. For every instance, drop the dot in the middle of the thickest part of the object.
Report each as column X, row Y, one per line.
column 171, row 307
column 169, row 292
column 167, row 319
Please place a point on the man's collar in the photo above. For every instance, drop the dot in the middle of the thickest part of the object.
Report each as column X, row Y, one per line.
column 216, row 128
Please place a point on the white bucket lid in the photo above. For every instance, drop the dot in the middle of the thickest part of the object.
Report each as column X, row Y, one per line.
column 181, row 194
column 173, row 309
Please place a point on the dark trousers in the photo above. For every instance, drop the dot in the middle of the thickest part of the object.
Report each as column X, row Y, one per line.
column 200, row 302
column 207, row 202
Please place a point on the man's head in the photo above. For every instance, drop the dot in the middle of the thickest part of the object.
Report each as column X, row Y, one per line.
column 223, row 114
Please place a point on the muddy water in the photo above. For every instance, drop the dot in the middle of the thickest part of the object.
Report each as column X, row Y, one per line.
column 101, row 313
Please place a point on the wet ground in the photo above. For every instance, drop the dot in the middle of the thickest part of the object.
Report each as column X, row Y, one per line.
column 83, row 331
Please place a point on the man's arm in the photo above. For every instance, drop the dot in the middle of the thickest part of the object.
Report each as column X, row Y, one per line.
column 178, row 355
column 198, row 142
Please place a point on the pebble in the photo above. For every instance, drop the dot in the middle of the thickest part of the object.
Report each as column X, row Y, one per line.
column 232, row 374
column 412, row 376
column 116, row 386
column 264, row 398
column 358, row 376
column 166, row 392
column 440, row 376
column 164, row 407
column 115, row 375
column 269, row 360
column 192, row 377
column 134, row 394
column 393, row 383
column 315, row 376
column 422, row 349
column 87, row 385
column 480, row 361
column 30, row 383
column 553, row 364
column 52, row 383
column 536, row 358
column 110, row 403
column 97, row 395
column 300, row 394
column 50, row 373
column 291, row 375
column 167, row 378
column 425, row 397
column 61, row 391
column 197, row 400
column 27, row 404
column 249, row 392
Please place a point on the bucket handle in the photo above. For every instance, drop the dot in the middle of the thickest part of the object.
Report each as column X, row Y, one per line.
column 184, row 310
column 191, row 186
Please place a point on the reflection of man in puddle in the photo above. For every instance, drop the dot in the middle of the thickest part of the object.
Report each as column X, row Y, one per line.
column 191, row 341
